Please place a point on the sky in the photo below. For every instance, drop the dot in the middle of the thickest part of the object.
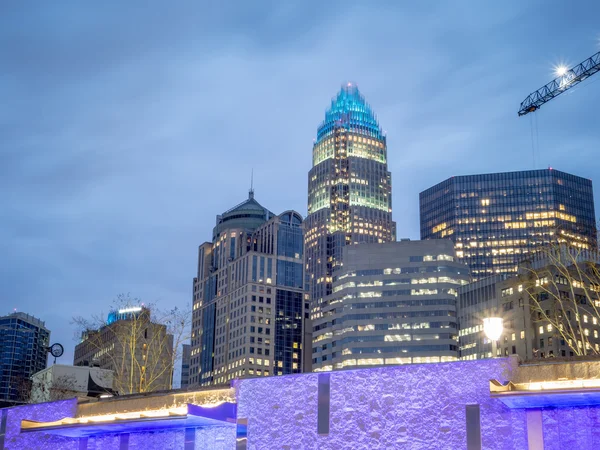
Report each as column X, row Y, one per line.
column 126, row 127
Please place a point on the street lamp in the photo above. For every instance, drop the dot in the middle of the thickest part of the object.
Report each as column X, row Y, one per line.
column 493, row 327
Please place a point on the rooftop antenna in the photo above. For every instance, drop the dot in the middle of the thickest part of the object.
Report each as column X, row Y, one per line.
column 251, row 192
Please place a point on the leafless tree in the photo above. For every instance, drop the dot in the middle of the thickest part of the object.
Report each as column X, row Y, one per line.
column 140, row 343
column 562, row 283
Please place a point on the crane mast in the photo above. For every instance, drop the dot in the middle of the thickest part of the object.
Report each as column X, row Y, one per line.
column 562, row 83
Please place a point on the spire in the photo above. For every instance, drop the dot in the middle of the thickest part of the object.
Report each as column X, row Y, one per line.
column 350, row 110
column 251, row 191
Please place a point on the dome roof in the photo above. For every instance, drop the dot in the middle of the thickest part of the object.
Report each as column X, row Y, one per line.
column 249, row 215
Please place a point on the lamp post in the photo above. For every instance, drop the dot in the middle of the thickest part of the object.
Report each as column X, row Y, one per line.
column 493, row 327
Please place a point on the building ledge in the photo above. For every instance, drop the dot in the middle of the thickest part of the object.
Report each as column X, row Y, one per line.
column 222, row 414
column 561, row 393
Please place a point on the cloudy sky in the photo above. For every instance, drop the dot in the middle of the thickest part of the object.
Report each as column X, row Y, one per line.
column 125, row 127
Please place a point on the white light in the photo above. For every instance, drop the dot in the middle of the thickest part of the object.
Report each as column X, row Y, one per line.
column 127, row 310
column 561, row 70
column 493, row 327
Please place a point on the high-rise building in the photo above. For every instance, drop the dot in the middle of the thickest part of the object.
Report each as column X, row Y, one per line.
column 349, row 189
column 249, row 304
column 496, row 219
column 392, row 303
column 186, row 356
column 24, row 342
column 137, row 348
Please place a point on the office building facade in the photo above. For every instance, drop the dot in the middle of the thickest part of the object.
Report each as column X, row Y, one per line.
column 392, row 303
column 250, row 301
column 24, row 342
column 549, row 309
column 186, row 356
column 349, row 189
column 496, row 220
column 136, row 348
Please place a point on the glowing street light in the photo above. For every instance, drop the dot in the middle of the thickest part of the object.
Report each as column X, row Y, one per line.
column 493, row 327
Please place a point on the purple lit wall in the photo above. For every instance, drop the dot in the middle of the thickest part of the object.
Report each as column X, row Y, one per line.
column 42, row 412
column 414, row 406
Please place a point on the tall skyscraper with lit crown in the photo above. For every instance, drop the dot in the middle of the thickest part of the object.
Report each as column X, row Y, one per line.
column 349, row 189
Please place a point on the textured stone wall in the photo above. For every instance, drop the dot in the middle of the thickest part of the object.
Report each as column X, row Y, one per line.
column 414, row 407
column 43, row 412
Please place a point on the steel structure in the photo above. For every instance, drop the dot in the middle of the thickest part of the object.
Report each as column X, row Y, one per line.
column 560, row 84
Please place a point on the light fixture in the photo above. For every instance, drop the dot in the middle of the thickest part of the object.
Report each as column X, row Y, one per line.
column 493, row 327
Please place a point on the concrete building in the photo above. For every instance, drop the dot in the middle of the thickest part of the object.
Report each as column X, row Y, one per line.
column 498, row 219
column 59, row 382
column 549, row 309
column 392, row 303
column 137, row 349
column 494, row 404
column 24, row 342
column 349, row 189
column 186, row 356
column 249, row 304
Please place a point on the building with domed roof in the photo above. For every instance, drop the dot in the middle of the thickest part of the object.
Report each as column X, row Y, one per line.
column 249, row 300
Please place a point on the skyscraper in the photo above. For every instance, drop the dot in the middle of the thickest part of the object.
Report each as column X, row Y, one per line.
column 392, row 303
column 349, row 189
column 496, row 219
column 249, row 304
column 24, row 342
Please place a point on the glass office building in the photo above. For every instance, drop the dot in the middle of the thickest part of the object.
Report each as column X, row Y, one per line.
column 392, row 303
column 496, row 219
column 250, row 301
column 24, row 342
column 349, row 189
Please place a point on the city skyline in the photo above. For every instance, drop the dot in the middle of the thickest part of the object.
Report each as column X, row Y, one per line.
column 102, row 154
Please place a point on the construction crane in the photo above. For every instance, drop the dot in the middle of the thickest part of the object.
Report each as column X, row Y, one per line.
column 567, row 78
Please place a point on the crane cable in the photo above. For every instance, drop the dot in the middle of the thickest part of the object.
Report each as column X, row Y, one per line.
column 532, row 143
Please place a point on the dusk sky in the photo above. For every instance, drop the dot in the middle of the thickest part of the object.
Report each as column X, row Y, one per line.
column 126, row 127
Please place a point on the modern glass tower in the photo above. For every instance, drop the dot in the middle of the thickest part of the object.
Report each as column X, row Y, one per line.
column 349, row 189
column 496, row 219
column 24, row 342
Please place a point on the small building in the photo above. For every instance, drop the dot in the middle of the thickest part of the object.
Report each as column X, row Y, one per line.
column 60, row 382
column 136, row 348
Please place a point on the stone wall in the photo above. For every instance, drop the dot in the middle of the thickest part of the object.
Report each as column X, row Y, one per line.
column 418, row 406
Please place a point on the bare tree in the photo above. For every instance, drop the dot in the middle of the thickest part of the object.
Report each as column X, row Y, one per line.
column 139, row 342
column 562, row 283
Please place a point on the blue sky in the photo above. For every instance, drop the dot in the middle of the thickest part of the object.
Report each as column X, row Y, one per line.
column 125, row 127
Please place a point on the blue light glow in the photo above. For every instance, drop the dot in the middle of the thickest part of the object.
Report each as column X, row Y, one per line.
column 350, row 110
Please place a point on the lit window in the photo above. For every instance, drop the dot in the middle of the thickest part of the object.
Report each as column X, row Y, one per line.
column 541, row 329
